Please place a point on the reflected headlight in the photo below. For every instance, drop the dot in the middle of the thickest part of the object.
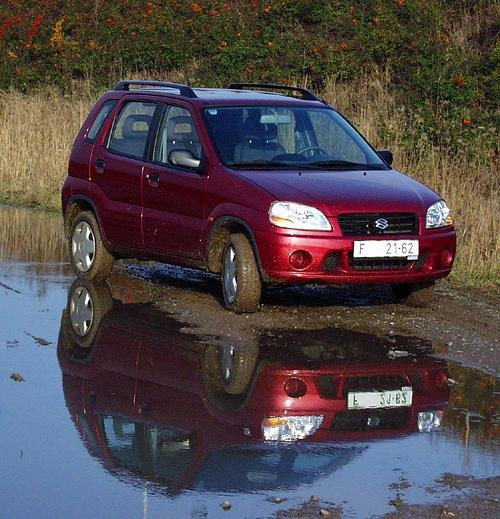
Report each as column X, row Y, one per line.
column 429, row 421
column 290, row 428
column 438, row 215
column 298, row 216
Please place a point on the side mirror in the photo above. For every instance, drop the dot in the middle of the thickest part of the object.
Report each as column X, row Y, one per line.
column 386, row 156
column 184, row 158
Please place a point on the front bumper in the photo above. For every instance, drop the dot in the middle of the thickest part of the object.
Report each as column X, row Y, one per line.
column 332, row 261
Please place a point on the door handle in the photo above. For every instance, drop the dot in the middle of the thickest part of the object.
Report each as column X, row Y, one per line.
column 153, row 179
column 99, row 166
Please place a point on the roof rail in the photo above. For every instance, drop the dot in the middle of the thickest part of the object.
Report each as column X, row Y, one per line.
column 306, row 94
column 184, row 90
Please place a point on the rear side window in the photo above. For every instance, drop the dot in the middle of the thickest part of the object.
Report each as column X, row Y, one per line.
column 99, row 121
column 131, row 128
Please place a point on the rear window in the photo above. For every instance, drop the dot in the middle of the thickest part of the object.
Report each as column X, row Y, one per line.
column 131, row 129
column 99, row 121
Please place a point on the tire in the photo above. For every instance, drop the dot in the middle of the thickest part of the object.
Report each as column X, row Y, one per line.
column 88, row 255
column 88, row 304
column 418, row 295
column 230, row 368
column 241, row 283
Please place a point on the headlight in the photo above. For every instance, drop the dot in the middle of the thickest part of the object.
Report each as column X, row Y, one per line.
column 289, row 428
column 298, row 216
column 429, row 421
column 438, row 215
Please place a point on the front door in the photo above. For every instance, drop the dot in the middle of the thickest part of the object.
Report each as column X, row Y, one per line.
column 173, row 196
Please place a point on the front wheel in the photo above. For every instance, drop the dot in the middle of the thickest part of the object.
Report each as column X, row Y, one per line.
column 89, row 256
column 241, row 283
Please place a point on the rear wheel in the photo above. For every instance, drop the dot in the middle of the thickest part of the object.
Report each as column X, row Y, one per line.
column 414, row 294
column 88, row 304
column 89, row 256
column 241, row 283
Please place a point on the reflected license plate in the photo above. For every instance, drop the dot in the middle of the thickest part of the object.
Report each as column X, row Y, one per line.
column 386, row 249
column 380, row 399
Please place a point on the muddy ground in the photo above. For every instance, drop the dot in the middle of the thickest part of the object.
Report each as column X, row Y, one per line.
column 463, row 325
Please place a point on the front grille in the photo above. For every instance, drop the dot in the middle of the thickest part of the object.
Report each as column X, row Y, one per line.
column 362, row 420
column 365, row 224
column 379, row 263
column 374, row 383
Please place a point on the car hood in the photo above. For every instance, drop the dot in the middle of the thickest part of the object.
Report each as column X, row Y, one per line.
column 336, row 192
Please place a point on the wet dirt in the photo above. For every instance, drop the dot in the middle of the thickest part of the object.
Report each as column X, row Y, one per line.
column 143, row 396
column 464, row 325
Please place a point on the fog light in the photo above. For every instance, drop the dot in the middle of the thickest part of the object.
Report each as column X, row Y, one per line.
column 289, row 428
column 446, row 258
column 429, row 421
column 300, row 259
column 295, row 387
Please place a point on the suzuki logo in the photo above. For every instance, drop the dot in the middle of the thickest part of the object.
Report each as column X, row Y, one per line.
column 381, row 223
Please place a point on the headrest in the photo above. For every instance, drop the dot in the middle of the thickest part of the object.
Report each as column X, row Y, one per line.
column 136, row 125
column 260, row 132
column 270, row 131
column 180, row 126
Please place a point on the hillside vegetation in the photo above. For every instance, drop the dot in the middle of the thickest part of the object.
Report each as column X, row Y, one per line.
column 420, row 77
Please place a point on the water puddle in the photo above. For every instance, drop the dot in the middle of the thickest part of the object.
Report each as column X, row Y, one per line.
column 122, row 410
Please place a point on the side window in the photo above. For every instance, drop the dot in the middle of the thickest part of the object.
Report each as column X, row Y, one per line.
column 176, row 132
column 130, row 131
column 99, row 121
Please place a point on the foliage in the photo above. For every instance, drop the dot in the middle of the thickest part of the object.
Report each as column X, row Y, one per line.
column 54, row 41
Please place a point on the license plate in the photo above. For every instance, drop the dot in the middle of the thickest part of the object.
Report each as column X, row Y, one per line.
column 380, row 399
column 386, row 249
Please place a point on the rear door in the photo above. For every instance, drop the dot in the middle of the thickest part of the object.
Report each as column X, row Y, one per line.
column 173, row 196
column 117, row 170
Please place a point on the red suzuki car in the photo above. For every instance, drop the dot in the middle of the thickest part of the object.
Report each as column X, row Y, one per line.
column 257, row 186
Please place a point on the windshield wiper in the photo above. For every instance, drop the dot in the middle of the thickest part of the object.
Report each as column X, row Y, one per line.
column 343, row 164
column 261, row 163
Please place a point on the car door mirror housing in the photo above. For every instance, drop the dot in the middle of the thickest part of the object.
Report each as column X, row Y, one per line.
column 184, row 158
column 386, row 156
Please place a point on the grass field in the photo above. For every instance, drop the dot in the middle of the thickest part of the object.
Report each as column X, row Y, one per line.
column 38, row 130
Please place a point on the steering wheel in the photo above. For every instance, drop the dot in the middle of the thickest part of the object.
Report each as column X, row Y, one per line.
column 316, row 149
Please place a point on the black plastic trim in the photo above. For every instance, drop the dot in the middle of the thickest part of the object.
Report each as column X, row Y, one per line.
column 306, row 94
column 184, row 90
column 234, row 219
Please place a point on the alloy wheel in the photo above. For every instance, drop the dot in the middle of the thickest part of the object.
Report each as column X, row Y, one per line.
column 230, row 282
column 81, row 311
column 83, row 247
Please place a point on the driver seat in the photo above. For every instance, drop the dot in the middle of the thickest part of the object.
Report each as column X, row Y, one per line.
column 258, row 143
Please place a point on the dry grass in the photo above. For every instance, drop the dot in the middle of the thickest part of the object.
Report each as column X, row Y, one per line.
column 38, row 131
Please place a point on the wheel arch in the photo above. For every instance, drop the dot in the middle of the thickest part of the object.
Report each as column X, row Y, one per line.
column 77, row 204
column 222, row 228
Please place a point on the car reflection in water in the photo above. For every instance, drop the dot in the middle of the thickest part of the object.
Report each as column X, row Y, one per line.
column 159, row 405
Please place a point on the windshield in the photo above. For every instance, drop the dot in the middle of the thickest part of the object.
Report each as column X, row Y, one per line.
column 270, row 137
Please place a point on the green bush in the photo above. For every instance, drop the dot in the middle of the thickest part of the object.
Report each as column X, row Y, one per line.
column 307, row 41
